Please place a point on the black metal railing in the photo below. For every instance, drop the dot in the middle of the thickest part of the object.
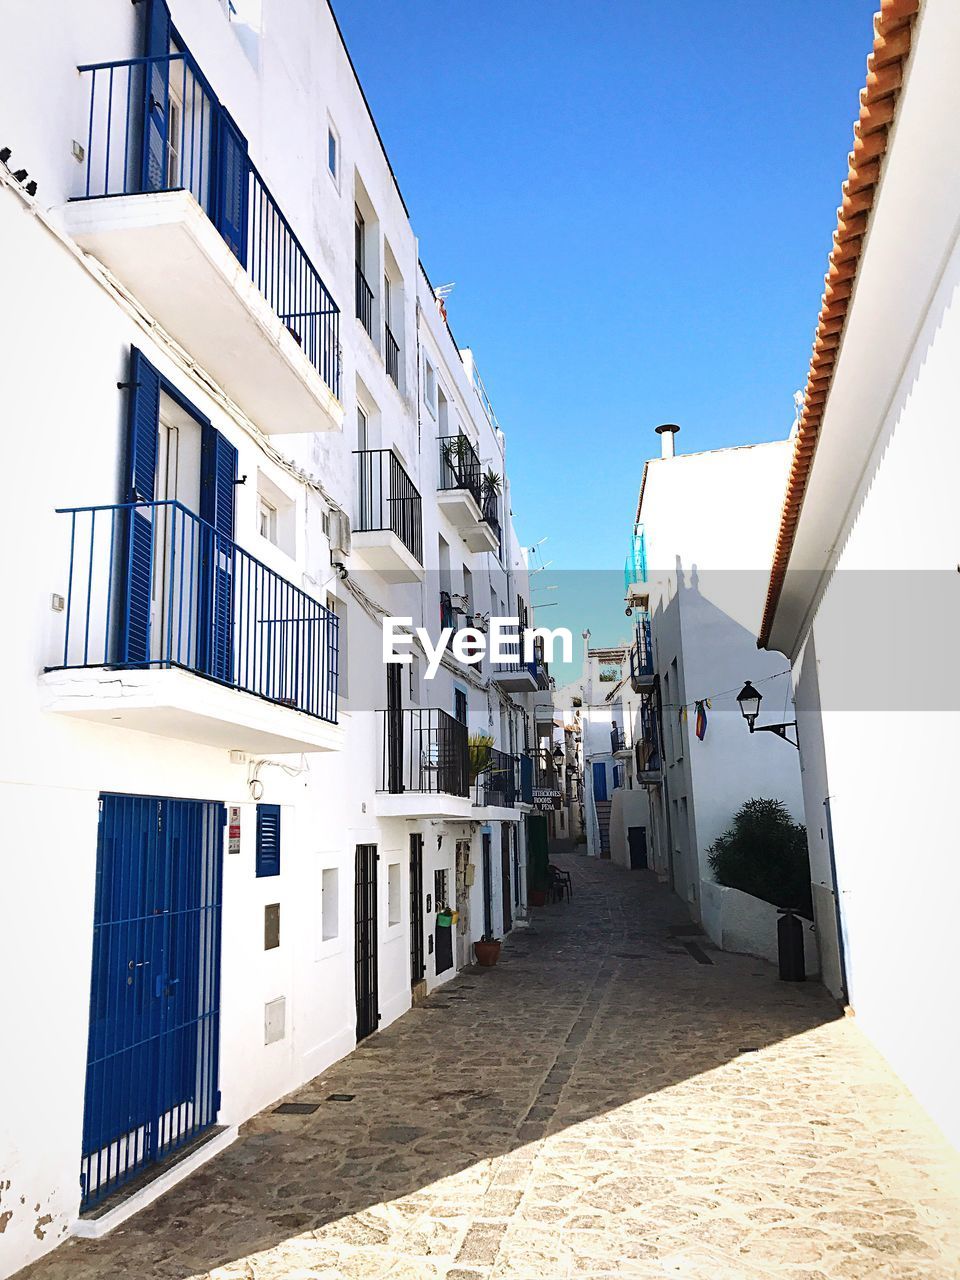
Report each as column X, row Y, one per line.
column 150, row 584
column 423, row 749
column 155, row 125
column 388, row 499
column 448, row 617
column 618, row 739
column 545, row 773
column 641, row 653
column 460, row 466
column 491, row 516
column 498, row 782
column 647, row 746
column 512, row 646
column 364, row 301
column 391, row 355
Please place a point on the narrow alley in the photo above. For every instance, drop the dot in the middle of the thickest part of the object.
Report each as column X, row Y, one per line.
column 616, row 1098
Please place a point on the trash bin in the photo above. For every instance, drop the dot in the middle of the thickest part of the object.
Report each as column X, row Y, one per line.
column 790, row 946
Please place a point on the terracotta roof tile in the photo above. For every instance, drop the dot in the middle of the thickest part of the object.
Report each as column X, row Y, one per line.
column 893, row 28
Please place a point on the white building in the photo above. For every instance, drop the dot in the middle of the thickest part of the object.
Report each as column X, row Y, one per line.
column 863, row 596
column 243, row 435
column 704, row 530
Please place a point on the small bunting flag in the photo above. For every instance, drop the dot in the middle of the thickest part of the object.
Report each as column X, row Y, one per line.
column 701, row 723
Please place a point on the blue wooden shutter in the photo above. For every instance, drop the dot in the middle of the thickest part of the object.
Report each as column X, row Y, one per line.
column 136, row 568
column 218, row 473
column 268, row 840
column 233, row 182
column 156, row 89
column 599, row 780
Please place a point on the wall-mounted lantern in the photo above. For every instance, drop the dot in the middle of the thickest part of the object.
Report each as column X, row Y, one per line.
column 749, row 699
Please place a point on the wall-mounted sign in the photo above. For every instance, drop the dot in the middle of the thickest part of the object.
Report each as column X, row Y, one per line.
column 545, row 799
column 233, row 829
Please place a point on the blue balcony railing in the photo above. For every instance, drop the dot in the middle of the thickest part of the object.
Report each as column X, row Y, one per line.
column 155, row 124
column 641, row 654
column 526, row 779
column 152, row 585
column 635, row 569
column 514, row 663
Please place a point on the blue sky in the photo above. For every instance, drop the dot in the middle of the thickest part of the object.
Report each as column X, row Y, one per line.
column 636, row 202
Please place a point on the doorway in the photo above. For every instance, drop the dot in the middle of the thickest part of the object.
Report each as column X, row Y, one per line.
column 154, row 1039
column 637, row 842
column 394, row 729
column 487, row 885
column 365, row 940
column 417, row 967
column 463, row 902
column 505, row 876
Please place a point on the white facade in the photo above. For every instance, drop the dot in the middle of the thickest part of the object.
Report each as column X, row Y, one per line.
column 86, row 282
column 708, row 520
column 868, row 612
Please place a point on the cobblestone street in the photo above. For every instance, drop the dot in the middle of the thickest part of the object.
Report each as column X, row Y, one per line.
column 608, row 1101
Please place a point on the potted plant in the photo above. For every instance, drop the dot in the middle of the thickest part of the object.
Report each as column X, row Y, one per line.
column 490, row 487
column 538, row 897
column 456, row 453
column 487, row 951
column 479, row 746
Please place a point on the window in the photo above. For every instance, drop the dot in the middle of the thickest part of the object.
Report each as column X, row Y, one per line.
column 460, row 705
column 268, row 840
column 276, row 515
column 267, row 520
column 363, row 429
column 414, row 669
column 393, row 893
column 359, row 238
column 329, row 904
column 430, row 386
column 440, row 889
column 333, row 154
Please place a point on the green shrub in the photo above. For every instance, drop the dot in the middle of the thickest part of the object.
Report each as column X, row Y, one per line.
column 764, row 853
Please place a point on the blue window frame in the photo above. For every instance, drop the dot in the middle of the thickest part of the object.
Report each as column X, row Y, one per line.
column 268, row 840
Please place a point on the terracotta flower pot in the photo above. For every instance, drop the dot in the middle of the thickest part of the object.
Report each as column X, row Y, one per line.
column 487, row 953
column 538, row 897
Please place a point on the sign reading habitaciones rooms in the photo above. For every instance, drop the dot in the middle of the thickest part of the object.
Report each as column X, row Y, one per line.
column 545, row 799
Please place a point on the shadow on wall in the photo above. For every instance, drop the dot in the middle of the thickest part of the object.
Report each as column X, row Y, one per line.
column 478, row 1071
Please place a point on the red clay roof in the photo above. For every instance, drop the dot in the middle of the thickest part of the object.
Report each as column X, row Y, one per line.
column 893, row 28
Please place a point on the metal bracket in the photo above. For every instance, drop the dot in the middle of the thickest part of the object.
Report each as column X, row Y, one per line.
column 781, row 730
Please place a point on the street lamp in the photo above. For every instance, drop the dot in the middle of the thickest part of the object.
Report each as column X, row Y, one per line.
column 749, row 699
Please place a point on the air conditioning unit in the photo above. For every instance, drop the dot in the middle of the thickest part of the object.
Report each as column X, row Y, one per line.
column 339, row 533
column 459, row 603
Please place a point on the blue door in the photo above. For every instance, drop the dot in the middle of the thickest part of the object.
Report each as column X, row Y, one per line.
column 599, row 780
column 153, row 1047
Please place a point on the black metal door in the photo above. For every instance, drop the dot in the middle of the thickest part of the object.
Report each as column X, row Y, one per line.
column 487, row 887
column 505, row 876
column 394, row 730
column 417, row 969
column 365, row 940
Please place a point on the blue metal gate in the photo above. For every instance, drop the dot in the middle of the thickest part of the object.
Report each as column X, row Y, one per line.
column 153, row 1050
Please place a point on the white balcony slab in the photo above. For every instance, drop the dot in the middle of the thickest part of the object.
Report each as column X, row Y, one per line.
column 460, row 507
column 424, row 804
column 178, row 704
column 500, row 813
column 515, row 679
column 167, row 252
column 480, row 537
column 382, row 551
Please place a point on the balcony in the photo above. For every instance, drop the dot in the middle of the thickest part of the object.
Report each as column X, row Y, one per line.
column 391, row 356
column 647, row 747
column 173, row 629
column 636, row 591
column 515, row 675
column 175, row 208
column 460, row 495
column 424, row 765
column 620, row 741
column 498, row 787
column 388, row 530
column 491, row 518
column 364, row 301
column 641, row 657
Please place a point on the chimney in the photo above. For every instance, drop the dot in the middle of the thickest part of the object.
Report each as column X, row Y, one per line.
column 666, row 431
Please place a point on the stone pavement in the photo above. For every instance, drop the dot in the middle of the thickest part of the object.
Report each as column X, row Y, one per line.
column 603, row 1103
